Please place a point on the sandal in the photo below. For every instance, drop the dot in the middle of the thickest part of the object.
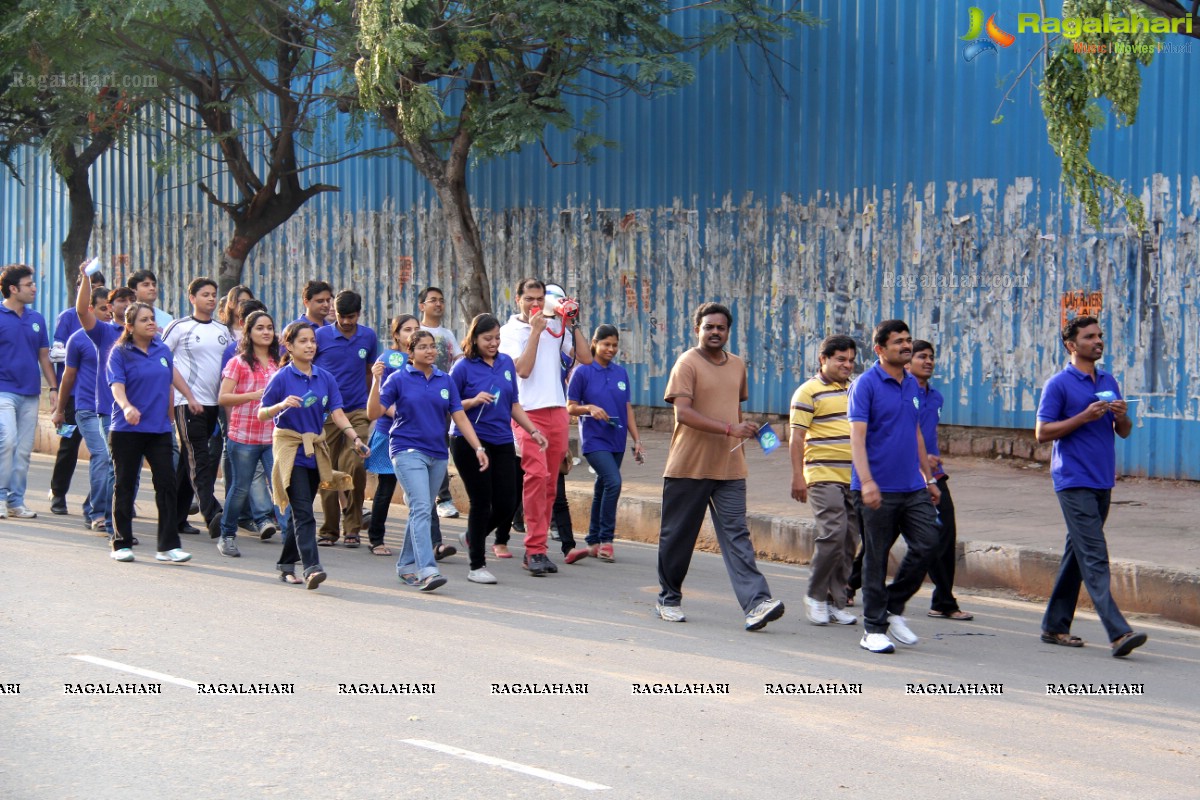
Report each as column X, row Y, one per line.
column 501, row 551
column 606, row 553
column 444, row 551
column 379, row 550
column 1064, row 639
column 958, row 614
column 351, row 540
column 289, row 577
column 322, row 542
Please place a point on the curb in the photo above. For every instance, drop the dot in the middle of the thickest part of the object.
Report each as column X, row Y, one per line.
column 1138, row 587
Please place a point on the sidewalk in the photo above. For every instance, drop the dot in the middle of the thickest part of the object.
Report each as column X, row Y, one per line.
column 1010, row 528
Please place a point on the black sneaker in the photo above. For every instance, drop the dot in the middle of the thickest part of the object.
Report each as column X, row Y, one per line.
column 534, row 565
column 214, row 528
column 547, row 564
column 189, row 528
column 194, row 509
column 58, row 505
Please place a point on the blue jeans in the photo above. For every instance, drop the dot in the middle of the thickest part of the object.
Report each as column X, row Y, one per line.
column 421, row 476
column 605, row 495
column 94, row 429
column 18, row 424
column 1084, row 561
column 245, row 461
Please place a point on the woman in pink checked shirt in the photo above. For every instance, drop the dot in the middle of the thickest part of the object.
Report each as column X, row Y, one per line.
column 242, row 384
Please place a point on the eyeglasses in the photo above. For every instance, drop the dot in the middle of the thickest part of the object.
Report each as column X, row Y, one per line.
column 425, row 347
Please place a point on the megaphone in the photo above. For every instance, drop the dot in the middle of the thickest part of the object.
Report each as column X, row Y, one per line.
column 557, row 304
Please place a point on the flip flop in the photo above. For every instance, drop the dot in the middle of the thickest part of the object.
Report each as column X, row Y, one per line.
column 960, row 615
column 325, row 542
column 1064, row 639
column 379, row 550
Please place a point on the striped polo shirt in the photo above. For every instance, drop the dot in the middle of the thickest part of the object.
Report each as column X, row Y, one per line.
column 819, row 407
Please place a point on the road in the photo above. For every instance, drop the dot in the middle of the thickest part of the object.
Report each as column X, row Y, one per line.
column 227, row 621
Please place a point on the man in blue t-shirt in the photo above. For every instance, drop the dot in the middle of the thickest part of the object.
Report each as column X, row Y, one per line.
column 67, row 457
column 346, row 350
column 1080, row 409
column 27, row 349
column 891, row 485
column 945, row 557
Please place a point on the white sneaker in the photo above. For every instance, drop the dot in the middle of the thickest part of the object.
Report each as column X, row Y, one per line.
column 178, row 556
column 447, row 510
column 817, row 611
column 877, row 643
column 227, row 546
column 462, row 539
column 481, row 575
column 670, row 613
column 764, row 612
column 21, row 512
column 841, row 616
column 98, row 524
column 124, row 554
column 3, row 510
column 898, row 628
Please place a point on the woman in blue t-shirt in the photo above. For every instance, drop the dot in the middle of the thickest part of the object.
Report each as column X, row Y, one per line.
column 599, row 393
column 141, row 373
column 380, row 462
column 420, row 396
column 298, row 397
column 486, row 380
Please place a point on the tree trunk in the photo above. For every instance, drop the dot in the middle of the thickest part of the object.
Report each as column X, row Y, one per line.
column 233, row 261
column 82, row 211
column 472, row 287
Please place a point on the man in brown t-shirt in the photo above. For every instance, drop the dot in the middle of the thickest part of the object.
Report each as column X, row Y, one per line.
column 706, row 468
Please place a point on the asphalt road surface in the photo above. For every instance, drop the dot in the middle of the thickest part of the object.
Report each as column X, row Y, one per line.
column 457, row 665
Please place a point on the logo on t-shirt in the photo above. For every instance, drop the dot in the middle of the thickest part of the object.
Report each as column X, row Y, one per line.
column 621, row 385
column 324, row 400
column 222, row 340
column 163, row 361
column 445, row 394
column 916, row 404
column 36, row 327
column 362, row 352
column 507, row 375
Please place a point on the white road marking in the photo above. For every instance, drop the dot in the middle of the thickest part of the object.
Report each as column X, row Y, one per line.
column 145, row 673
column 557, row 777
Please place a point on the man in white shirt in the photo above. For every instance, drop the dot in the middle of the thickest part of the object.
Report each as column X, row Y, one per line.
column 198, row 343
column 535, row 343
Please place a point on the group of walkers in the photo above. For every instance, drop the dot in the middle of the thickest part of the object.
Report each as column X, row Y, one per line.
column 310, row 409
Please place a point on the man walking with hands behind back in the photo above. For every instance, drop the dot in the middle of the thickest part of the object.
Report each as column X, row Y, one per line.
column 1080, row 410
column 707, row 470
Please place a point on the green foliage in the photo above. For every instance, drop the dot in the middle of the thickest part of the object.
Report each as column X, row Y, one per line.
column 1071, row 88
column 498, row 72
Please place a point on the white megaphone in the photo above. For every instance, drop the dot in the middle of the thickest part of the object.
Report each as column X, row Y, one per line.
column 557, row 304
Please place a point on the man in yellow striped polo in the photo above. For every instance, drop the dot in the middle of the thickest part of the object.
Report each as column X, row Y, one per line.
column 820, row 451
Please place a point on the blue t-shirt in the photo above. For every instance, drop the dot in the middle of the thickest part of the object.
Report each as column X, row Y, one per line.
column 891, row 410
column 392, row 360
column 64, row 327
column 304, row 318
column 931, row 414
column 1086, row 458
column 492, row 422
column 608, row 388
column 319, row 395
column 23, row 337
column 347, row 358
column 81, row 354
column 234, row 340
column 147, row 378
column 104, row 335
column 422, row 405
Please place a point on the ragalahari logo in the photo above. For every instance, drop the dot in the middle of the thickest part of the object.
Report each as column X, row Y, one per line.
column 994, row 34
